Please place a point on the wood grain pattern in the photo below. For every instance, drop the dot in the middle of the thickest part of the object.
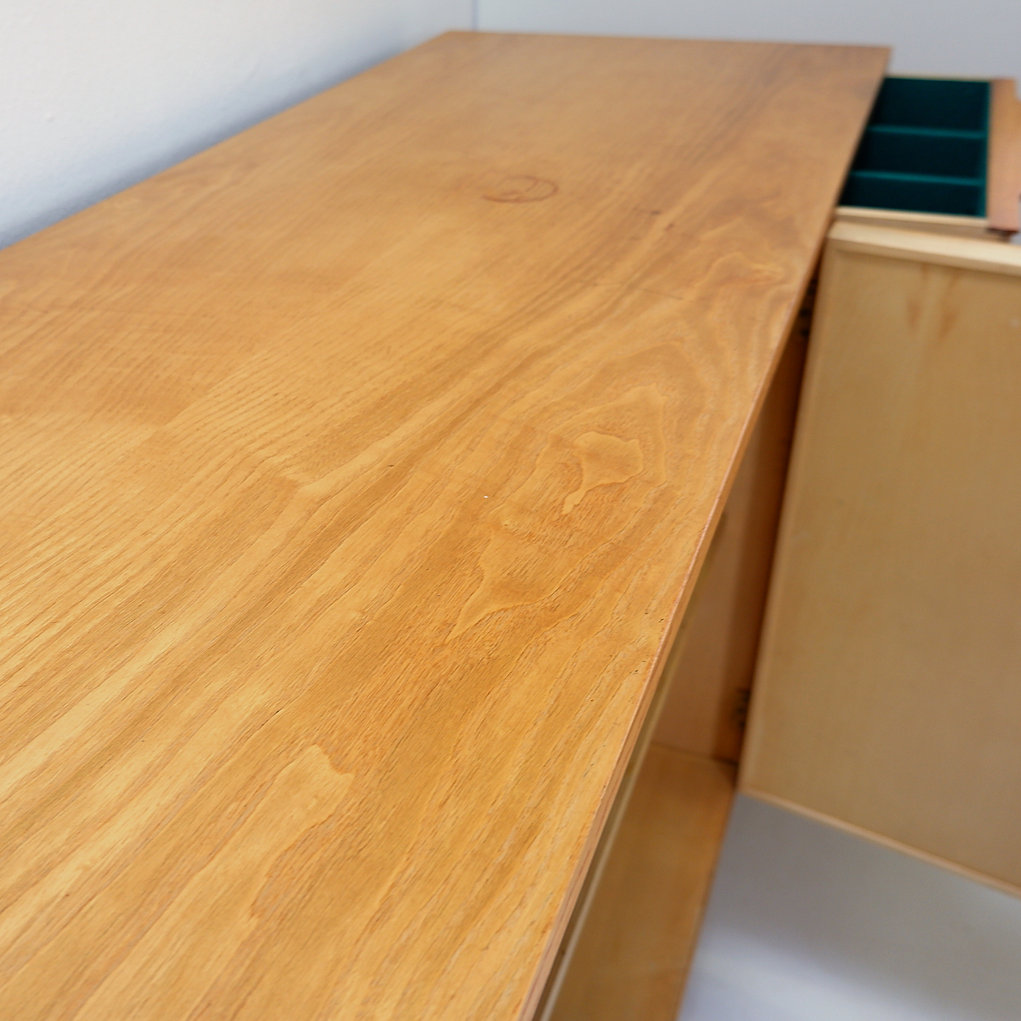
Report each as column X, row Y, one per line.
column 709, row 677
column 886, row 695
column 575, row 929
column 634, row 953
column 356, row 472
column 926, row 247
column 1003, row 179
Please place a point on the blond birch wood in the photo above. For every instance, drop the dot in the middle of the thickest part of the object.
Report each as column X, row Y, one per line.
column 938, row 223
column 886, row 695
column 923, row 247
column 576, row 927
column 633, row 955
column 355, row 475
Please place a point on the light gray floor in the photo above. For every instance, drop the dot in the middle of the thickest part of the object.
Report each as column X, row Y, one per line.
column 806, row 923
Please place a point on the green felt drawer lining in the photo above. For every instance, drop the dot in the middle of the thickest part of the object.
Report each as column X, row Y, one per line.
column 924, row 149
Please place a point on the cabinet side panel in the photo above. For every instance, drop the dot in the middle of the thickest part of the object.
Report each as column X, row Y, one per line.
column 710, row 675
column 887, row 694
column 633, row 955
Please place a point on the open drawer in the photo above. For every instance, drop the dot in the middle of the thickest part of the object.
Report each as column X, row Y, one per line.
column 939, row 154
column 886, row 694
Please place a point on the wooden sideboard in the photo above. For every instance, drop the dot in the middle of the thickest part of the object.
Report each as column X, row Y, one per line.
column 357, row 476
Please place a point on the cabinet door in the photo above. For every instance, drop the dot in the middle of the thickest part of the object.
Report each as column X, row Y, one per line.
column 888, row 691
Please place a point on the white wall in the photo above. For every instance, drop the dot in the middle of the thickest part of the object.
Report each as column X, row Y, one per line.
column 95, row 96
column 951, row 37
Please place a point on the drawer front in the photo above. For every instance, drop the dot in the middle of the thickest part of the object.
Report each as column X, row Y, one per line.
column 887, row 695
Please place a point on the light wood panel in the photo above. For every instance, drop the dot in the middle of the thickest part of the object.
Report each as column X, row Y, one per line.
column 926, row 248
column 634, row 953
column 576, row 927
column 887, row 695
column 937, row 223
column 355, row 476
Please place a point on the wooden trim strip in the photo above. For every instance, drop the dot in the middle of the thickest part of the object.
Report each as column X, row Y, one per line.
column 1003, row 188
column 891, row 243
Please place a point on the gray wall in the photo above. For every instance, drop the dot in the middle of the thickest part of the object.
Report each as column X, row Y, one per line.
column 952, row 37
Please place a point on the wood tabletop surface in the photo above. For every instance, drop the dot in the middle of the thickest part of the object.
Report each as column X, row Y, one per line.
column 354, row 475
